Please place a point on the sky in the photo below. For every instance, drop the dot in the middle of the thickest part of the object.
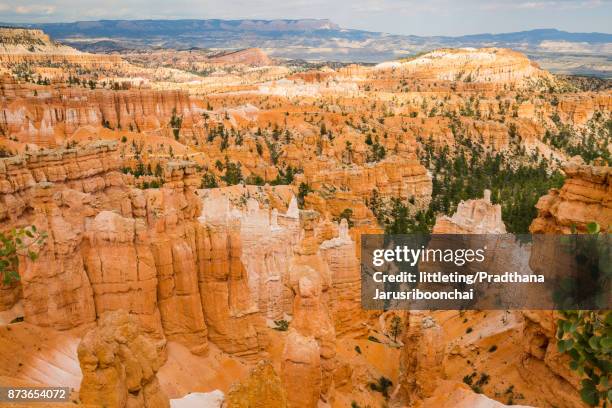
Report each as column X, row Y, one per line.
column 433, row 17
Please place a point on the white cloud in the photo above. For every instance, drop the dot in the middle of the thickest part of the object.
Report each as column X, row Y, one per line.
column 542, row 5
column 35, row 9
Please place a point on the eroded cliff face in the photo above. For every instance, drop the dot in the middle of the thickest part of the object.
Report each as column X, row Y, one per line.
column 301, row 370
column 268, row 237
column 405, row 179
column 278, row 248
column 302, row 269
column 212, row 271
column 119, row 365
column 48, row 116
column 235, row 325
column 340, row 254
column 585, row 197
column 113, row 246
column 186, row 267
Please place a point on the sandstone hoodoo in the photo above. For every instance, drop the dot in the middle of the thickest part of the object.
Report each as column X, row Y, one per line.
column 262, row 388
column 119, row 365
column 201, row 213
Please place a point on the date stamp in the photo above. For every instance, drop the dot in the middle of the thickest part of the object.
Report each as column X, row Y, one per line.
column 34, row 394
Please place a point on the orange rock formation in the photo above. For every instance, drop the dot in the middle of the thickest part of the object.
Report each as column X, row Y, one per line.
column 585, row 197
column 119, row 365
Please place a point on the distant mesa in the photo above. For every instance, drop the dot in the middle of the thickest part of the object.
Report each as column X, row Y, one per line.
column 33, row 45
column 29, row 41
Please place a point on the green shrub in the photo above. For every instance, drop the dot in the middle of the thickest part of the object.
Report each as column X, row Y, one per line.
column 382, row 385
column 281, row 325
column 16, row 243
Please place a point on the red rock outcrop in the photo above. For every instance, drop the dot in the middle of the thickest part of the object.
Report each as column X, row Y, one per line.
column 121, row 268
column 586, row 196
column 119, row 365
column 531, row 357
column 261, row 389
column 421, row 368
column 55, row 191
column 340, row 254
column 277, row 254
column 404, row 179
column 268, row 239
column 300, row 267
column 234, row 323
column 310, row 280
column 579, row 108
column 49, row 115
column 301, row 371
column 112, row 246
column 208, row 268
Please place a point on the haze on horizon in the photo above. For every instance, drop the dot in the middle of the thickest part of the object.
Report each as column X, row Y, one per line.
column 426, row 18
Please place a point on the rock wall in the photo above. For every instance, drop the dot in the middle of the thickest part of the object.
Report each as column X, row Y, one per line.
column 113, row 246
column 404, row 178
column 121, row 268
column 119, row 365
column 586, row 196
column 49, row 115
column 273, row 246
column 55, row 192
column 234, row 322
column 268, row 240
column 300, row 268
column 309, row 282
